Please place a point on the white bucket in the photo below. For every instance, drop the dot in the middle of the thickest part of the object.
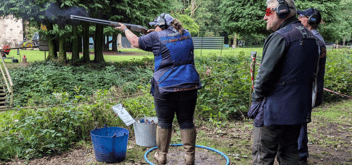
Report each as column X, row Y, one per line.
column 145, row 133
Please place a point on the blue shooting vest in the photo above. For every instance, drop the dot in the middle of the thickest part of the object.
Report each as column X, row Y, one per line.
column 291, row 100
column 174, row 69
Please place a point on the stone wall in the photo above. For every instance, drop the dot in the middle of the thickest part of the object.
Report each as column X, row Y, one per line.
column 11, row 31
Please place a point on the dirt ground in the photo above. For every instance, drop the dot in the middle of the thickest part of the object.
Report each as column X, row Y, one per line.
column 203, row 156
column 330, row 142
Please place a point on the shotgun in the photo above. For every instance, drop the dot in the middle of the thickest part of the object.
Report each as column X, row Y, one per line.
column 132, row 27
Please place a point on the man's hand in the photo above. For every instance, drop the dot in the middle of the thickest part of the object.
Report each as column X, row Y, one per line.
column 256, row 112
column 254, row 109
column 121, row 27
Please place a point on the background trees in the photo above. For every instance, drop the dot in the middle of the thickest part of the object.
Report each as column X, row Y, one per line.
column 203, row 12
column 245, row 17
column 237, row 18
column 345, row 19
column 330, row 12
column 54, row 14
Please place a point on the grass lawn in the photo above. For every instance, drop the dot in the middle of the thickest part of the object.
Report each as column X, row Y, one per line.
column 227, row 52
column 36, row 55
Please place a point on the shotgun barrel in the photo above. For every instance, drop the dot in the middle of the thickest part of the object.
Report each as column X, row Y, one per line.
column 132, row 27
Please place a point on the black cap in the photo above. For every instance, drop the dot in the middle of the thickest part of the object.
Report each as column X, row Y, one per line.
column 309, row 12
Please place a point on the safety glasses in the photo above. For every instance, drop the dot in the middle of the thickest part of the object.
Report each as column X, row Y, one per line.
column 269, row 11
column 301, row 15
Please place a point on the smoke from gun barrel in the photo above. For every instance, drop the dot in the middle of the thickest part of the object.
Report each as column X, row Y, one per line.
column 132, row 27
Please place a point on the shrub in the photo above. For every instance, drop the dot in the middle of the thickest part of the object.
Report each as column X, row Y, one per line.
column 226, row 82
column 38, row 83
column 33, row 133
column 338, row 74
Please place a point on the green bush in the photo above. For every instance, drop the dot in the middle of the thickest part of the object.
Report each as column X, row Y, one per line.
column 32, row 133
column 225, row 80
column 39, row 83
column 338, row 73
column 226, row 84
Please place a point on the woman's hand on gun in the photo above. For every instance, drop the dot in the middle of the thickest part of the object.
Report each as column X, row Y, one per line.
column 121, row 27
column 151, row 30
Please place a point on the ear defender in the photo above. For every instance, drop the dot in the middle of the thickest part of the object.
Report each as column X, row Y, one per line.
column 282, row 9
column 312, row 20
column 162, row 22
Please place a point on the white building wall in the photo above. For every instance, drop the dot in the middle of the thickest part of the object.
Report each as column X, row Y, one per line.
column 11, row 30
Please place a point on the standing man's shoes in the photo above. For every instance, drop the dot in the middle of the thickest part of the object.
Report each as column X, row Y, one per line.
column 303, row 161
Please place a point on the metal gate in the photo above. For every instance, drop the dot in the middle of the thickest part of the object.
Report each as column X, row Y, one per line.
column 208, row 43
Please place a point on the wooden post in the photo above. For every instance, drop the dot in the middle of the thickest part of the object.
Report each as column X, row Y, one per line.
column 201, row 46
column 11, row 98
column 252, row 70
column 119, row 41
column 222, row 45
column 18, row 53
column 44, row 55
column 234, row 45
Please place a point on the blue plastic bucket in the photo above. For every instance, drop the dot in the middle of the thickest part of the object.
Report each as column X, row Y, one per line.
column 110, row 144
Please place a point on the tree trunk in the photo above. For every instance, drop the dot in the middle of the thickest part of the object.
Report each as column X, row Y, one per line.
column 98, row 43
column 23, row 30
column 62, row 47
column 79, row 35
column 114, row 43
column 52, row 45
column 85, row 34
column 344, row 41
column 107, row 48
column 194, row 7
column 234, row 41
column 103, row 44
column 75, row 44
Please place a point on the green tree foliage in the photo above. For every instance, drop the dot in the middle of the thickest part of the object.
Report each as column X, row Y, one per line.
column 346, row 20
column 188, row 23
column 244, row 17
column 57, row 12
column 208, row 18
column 203, row 12
column 329, row 28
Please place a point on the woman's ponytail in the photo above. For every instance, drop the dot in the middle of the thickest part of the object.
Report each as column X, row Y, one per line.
column 177, row 25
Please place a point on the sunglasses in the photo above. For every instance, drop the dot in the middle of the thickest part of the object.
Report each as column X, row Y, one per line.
column 269, row 11
column 301, row 15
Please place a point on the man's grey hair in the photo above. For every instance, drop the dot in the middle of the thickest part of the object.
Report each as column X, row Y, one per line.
column 291, row 4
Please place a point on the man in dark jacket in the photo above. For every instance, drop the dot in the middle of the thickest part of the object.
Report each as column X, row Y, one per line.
column 283, row 87
column 311, row 18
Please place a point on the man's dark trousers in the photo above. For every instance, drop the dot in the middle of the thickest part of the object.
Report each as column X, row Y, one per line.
column 303, row 144
column 272, row 140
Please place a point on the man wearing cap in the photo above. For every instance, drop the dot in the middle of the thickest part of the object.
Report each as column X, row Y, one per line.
column 174, row 84
column 311, row 18
column 282, row 96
